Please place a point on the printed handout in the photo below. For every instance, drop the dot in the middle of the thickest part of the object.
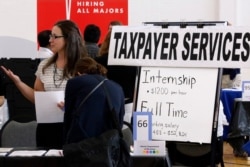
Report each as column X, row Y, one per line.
column 47, row 110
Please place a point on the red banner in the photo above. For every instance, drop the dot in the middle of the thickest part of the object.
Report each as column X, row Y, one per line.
column 83, row 12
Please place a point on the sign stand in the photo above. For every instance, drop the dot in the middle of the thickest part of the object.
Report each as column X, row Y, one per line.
column 143, row 105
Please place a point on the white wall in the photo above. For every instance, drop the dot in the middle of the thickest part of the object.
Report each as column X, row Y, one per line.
column 18, row 28
column 172, row 10
column 235, row 12
column 17, row 21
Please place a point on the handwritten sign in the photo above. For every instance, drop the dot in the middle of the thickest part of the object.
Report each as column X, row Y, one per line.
column 181, row 101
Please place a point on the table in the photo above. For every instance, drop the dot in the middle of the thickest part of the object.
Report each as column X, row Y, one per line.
column 57, row 161
column 32, row 161
column 227, row 98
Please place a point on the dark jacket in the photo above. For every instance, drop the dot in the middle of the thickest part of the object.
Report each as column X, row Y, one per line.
column 95, row 115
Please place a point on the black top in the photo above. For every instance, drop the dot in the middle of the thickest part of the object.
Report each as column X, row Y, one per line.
column 123, row 75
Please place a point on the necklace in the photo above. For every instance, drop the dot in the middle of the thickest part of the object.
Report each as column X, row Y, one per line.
column 57, row 78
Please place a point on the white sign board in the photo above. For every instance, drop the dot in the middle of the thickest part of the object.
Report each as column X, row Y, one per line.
column 215, row 46
column 181, row 100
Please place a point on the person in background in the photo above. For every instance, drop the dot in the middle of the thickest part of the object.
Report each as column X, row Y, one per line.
column 1, row 89
column 111, row 24
column 123, row 75
column 52, row 75
column 44, row 50
column 1, row 100
column 114, row 23
column 94, row 114
column 91, row 36
column 4, row 112
column 231, row 78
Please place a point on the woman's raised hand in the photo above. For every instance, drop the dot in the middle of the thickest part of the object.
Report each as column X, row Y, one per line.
column 11, row 75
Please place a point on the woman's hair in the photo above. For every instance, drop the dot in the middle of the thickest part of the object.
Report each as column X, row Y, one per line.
column 104, row 49
column 114, row 23
column 88, row 65
column 74, row 47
